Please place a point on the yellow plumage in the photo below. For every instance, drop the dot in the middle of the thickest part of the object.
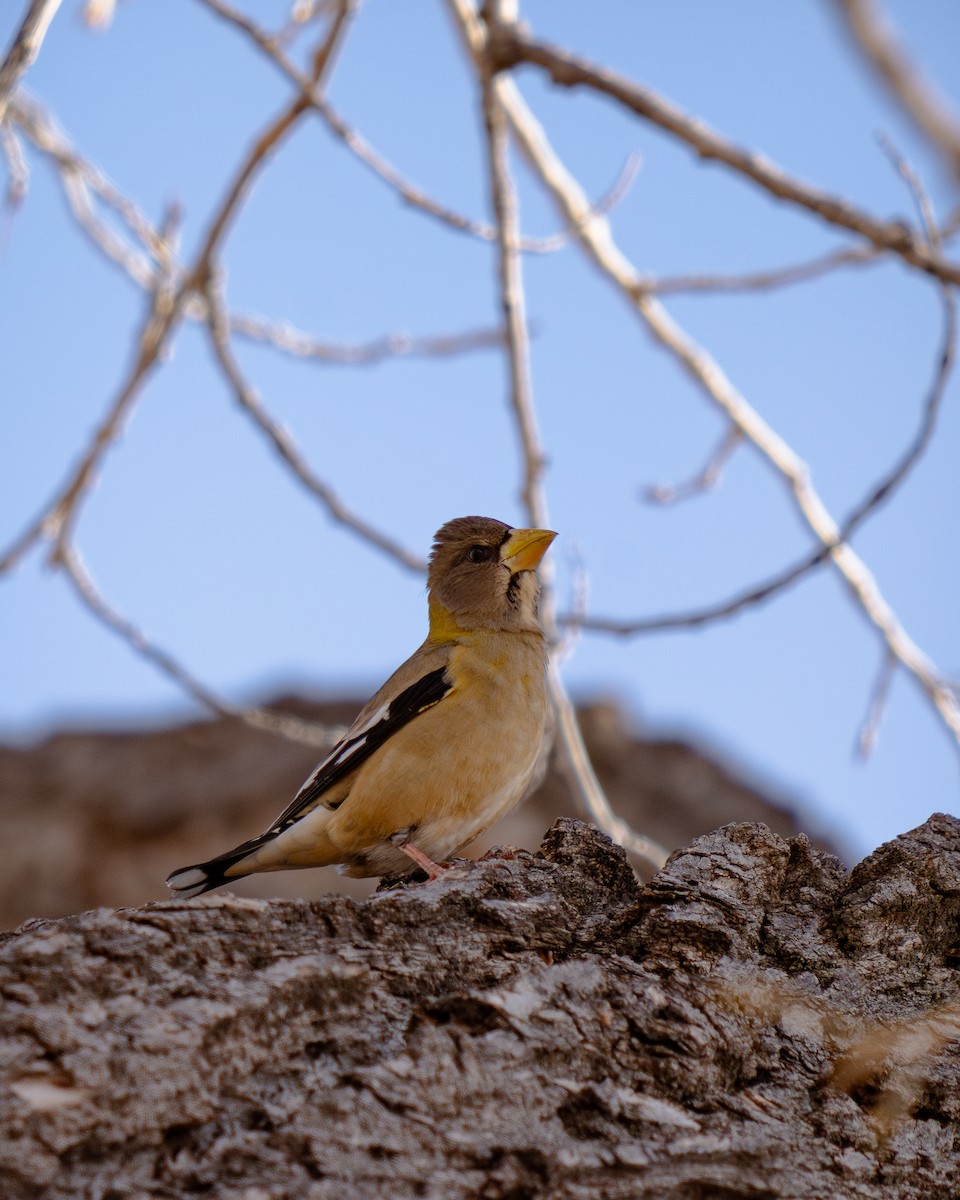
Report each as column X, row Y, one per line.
column 449, row 743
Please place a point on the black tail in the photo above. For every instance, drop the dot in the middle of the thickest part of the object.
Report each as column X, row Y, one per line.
column 204, row 877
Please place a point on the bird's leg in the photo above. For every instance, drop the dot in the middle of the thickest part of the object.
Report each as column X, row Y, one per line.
column 433, row 870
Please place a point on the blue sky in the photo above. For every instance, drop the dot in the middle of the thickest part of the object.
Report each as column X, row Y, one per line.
column 196, row 532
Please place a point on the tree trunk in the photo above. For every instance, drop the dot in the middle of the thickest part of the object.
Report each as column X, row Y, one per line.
column 756, row 1023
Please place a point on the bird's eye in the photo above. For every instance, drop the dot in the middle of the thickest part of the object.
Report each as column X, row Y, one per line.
column 479, row 554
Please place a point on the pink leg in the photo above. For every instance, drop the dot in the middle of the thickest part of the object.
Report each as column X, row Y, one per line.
column 433, row 870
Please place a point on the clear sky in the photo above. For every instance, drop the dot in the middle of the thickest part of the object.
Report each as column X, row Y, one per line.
column 196, row 532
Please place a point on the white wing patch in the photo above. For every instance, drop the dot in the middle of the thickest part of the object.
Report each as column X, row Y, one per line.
column 373, row 719
column 345, row 749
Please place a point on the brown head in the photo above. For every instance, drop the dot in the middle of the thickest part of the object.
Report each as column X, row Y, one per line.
column 483, row 576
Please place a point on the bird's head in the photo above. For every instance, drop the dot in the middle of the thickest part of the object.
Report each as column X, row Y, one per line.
column 483, row 576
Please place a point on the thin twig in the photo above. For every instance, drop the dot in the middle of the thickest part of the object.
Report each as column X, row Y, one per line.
column 83, row 181
column 155, row 332
column 571, row 627
column 284, row 337
column 874, row 37
column 265, row 145
column 23, row 50
column 918, row 192
column 513, row 46
column 597, row 240
column 705, row 479
column 878, row 494
column 513, row 308
column 167, row 306
column 283, row 444
column 879, row 697
column 763, row 281
column 504, row 202
column 606, row 204
column 409, row 192
column 16, row 167
column 87, row 592
column 172, row 291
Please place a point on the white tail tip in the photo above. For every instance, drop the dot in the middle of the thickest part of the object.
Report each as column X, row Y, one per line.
column 187, row 883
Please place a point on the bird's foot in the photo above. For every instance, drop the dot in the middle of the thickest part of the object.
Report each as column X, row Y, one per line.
column 433, row 870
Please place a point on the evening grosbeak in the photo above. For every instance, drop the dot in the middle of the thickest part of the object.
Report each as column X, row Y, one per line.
column 449, row 743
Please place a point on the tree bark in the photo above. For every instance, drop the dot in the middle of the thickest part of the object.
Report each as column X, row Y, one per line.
column 756, row 1022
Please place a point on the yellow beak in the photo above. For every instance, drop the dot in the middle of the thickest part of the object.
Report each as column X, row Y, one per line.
column 524, row 548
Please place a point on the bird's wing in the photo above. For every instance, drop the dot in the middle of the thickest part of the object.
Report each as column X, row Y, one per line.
column 377, row 723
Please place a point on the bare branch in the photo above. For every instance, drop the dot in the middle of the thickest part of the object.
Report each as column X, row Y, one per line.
column 872, row 34
column 606, row 204
column 513, row 307
column 597, row 240
column 879, row 697
column 282, row 336
column 695, row 618
column 167, row 306
column 585, row 781
column 513, row 47
column 409, row 192
column 22, row 545
column 764, row 281
column 12, row 151
column 281, row 723
column 173, row 291
column 82, row 181
column 157, row 327
column 264, row 146
column 921, row 199
column 706, row 478
column 23, row 50
column 877, row 495
column 504, row 202
column 283, row 444
column 354, row 142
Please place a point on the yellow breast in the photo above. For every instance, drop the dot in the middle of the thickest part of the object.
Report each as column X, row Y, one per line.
column 459, row 766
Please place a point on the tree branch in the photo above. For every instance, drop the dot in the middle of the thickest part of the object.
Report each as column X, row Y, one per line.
column 83, row 182
column 873, row 36
column 533, row 495
column 706, row 478
column 881, row 491
column 512, row 46
column 218, row 327
column 284, row 337
column 287, row 726
column 265, row 145
column 408, row 192
column 167, row 306
column 763, row 281
column 597, row 241
column 23, row 50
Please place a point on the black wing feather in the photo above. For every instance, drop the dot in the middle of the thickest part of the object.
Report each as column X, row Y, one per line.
column 348, row 754
column 345, row 757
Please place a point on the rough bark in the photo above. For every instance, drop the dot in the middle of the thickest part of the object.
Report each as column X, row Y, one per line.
column 756, row 1022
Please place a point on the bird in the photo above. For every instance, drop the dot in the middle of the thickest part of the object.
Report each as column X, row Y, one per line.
column 447, row 746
